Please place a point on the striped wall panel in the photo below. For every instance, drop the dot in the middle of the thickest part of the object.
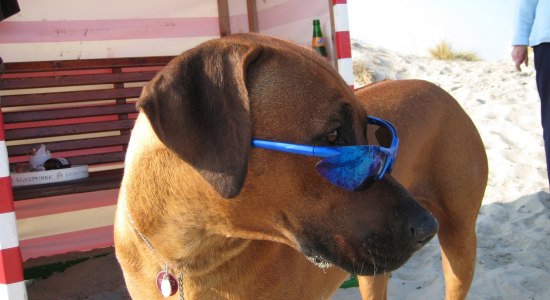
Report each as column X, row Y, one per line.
column 66, row 29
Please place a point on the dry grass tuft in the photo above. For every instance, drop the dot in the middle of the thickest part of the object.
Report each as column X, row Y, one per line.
column 443, row 51
column 362, row 75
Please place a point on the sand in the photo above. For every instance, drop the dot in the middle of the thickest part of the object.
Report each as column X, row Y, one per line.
column 513, row 225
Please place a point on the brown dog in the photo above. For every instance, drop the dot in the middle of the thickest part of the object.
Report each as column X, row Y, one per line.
column 234, row 222
column 442, row 163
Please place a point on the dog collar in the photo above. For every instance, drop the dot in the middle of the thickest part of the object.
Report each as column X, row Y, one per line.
column 165, row 281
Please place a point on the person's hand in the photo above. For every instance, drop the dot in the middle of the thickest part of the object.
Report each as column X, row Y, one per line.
column 519, row 56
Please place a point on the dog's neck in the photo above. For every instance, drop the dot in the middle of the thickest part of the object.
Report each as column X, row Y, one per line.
column 208, row 260
column 172, row 217
column 178, row 251
column 262, row 275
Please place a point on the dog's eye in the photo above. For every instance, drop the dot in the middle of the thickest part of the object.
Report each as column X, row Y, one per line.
column 332, row 138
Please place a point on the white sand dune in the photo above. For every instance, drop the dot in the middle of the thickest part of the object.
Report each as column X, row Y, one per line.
column 514, row 222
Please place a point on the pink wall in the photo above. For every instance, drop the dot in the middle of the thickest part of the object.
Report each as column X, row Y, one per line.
column 68, row 29
column 294, row 19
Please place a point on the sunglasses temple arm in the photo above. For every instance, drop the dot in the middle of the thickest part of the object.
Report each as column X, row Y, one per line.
column 381, row 122
column 295, row 148
column 325, row 152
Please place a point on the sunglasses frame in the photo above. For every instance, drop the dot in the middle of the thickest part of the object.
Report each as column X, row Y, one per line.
column 328, row 151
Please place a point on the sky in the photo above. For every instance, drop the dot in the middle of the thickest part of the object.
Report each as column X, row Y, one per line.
column 484, row 27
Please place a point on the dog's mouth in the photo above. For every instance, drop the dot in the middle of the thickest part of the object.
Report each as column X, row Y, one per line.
column 362, row 259
column 372, row 264
column 319, row 261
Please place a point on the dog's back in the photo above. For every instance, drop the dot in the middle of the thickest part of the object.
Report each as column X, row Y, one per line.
column 441, row 161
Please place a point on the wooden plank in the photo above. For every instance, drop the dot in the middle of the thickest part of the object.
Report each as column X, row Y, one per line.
column 98, row 159
column 68, row 97
column 334, row 50
column 223, row 18
column 35, row 132
column 73, row 80
column 97, row 181
column 67, row 113
column 252, row 16
column 90, row 143
column 86, row 64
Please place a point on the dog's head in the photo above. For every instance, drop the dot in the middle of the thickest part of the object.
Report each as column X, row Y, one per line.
column 210, row 102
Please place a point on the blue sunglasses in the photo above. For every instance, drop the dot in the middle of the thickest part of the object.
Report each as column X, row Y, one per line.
column 349, row 167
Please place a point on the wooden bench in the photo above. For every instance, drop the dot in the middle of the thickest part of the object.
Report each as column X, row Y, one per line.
column 82, row 110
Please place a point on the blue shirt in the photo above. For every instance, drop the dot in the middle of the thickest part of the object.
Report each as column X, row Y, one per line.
column 532, row 23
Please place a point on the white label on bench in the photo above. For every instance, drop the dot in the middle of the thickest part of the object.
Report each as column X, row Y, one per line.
column 51, row 176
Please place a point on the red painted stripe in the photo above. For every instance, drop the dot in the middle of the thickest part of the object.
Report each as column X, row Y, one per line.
column 66, row 203
column 142, row 69
column 339, row 2
column 80, row 72
column 100, row 30
column 6, row 196
column 61, row 122
column 343, row 44
column 11, row 268
column 69, row 154
column 70, row 121
column 100, row 237
column 57, row 73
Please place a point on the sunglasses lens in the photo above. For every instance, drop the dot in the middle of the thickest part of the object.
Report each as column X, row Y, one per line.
column 353, row 166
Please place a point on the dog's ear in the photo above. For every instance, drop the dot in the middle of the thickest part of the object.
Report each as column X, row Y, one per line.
column 199, row 108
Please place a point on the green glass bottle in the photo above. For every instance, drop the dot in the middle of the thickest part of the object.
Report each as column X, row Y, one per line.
column 318, row 42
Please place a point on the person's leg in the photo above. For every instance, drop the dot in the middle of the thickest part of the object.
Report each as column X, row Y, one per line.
column 542, row 67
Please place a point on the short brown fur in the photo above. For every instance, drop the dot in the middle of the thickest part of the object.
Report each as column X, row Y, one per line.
column 442, row 162
column 238, row 222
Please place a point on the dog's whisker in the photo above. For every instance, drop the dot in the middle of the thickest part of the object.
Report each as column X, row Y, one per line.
column 375, row 268
column 362, row 267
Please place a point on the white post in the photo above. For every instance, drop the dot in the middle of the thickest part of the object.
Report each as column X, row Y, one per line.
column 343, row 41
column 12, row 281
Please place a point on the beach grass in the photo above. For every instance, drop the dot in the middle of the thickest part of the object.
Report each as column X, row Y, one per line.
column 444, row 51
column 362, row 75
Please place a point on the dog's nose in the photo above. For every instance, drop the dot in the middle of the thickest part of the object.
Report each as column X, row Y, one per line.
column 424, row 229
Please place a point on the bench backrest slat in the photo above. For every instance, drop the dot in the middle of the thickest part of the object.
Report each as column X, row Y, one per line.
column 83, row 110
column 73, row 129
column 108, row 180
column 69, row 80
column 73, row 96
column 66, row 113
column 103, row 158
column 71, row 145
column 87, row 64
